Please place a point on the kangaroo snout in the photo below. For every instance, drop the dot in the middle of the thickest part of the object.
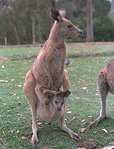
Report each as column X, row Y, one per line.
column 80, row 32
column 59, row 109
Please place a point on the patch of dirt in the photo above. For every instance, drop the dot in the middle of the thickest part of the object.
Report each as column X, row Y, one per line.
column 1, row 142
column 89, row 144
column 3, row 58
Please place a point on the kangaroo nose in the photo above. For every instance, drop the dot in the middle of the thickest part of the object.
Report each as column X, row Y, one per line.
column 59, row 109
column 81, row 32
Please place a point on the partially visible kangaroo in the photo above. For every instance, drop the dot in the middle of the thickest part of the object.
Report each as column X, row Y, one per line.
column 105, row 85
column 47, row 72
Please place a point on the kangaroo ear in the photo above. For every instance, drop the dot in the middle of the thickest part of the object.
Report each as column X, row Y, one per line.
column 66, row 93
column 62, row 13
column 56, row 15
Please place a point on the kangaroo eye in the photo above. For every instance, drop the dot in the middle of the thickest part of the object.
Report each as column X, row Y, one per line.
column 69, row 26
column 62, row 103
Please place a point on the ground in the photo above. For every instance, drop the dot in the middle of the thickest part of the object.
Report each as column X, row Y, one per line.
column 3, row 58
column 82, row 106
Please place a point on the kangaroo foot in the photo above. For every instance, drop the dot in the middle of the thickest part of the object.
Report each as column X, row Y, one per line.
column 99, row 119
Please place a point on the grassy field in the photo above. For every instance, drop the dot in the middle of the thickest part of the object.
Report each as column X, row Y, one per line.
column 83, row 104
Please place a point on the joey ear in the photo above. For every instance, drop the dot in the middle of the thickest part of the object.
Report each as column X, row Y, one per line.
column 56, row 15
column 66, row 93
column 48, row 95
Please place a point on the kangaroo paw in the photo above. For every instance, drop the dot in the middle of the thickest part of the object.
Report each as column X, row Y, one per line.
column 75, row 136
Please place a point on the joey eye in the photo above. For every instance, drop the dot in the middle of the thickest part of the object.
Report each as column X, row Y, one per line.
column 69, row 26
column 56, row 102
column 62, row 103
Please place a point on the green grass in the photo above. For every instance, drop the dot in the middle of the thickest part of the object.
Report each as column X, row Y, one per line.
column 18, row 52
column 112, row 18
column 15, row 116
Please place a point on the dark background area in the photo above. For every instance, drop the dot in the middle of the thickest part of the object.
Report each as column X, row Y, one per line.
column 27, row 21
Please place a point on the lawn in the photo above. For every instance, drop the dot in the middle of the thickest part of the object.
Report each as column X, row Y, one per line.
column 82, row 106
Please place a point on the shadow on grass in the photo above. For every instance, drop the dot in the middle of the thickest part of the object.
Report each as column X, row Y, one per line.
column 85, row 54
column 74, row 55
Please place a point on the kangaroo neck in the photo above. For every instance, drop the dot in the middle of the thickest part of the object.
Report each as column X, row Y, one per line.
column 55, row 33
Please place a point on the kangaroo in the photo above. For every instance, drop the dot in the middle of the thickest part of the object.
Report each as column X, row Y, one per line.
column 105, row 85
column 48, row 69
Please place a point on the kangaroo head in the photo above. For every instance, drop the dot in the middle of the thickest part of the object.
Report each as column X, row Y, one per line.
column 57, row 99
column 65, row 27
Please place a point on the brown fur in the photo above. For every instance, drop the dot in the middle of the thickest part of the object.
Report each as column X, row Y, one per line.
column 105, row 85
column 47, row 72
